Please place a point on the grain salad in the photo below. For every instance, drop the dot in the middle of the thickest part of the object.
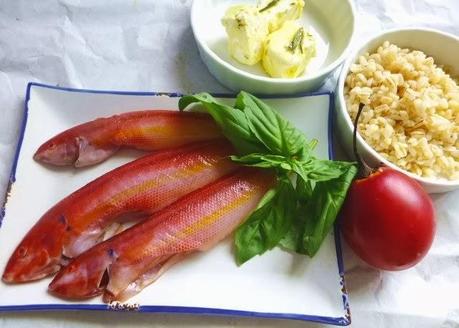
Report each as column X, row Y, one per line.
column 411, row 113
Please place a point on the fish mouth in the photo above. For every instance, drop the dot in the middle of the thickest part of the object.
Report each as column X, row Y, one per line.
column 61, row 288
column 13, row 276
column 77, row 151
column 76, row 282
column 61, row 154
column 26, row 265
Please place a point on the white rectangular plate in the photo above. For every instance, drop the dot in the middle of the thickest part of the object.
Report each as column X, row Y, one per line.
column 276, row 285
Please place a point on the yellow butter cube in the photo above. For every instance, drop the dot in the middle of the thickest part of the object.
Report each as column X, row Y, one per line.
column 277, row 12
column 288, row 51
column 247, row 29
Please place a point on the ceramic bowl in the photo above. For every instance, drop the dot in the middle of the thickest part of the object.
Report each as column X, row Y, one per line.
column 443, row 47
column 331, row 22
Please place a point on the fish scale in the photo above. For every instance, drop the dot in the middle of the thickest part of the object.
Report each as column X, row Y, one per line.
column 138, row 188
column 93, row 142
column 138, row 256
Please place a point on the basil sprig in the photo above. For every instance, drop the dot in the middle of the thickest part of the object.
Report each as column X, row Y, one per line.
column 300, row 210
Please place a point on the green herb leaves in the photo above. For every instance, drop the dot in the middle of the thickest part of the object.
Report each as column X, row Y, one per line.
column 300, row 211
column 233, row 123
column 277, row 134
column 269, row 5
column 297, row 41
column 265, row 227
column 254, row 128
column 317, row 213
column 307, row 212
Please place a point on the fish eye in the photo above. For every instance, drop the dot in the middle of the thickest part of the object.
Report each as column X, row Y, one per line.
column 22, row 251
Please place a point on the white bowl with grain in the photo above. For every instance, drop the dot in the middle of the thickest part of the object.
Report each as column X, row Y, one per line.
column 410, row 121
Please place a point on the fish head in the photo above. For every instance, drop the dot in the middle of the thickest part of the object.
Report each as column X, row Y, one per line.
column 84, row 277
column 61, row 150
column 30, row 262
column 38, row 255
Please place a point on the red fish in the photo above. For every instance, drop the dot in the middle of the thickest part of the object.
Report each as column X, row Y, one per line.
column 136, row 189
column 122, row 266
column 93, row 142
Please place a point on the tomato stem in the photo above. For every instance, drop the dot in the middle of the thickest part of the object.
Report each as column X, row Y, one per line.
column 364, row 169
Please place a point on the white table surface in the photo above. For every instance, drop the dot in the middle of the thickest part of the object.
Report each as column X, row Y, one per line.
column 148, row 45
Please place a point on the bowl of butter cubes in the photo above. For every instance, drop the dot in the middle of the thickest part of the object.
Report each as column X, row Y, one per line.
column 271, row 47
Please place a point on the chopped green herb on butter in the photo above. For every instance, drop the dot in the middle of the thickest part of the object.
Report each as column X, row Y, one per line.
column 246, row 30
column 277, row 12
column 288, row 51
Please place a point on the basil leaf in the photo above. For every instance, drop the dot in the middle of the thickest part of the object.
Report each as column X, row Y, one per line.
column 304, row 189
column 264, row 161
column 322, row 209
column 293, row 239
column 297, row 218
column 317, row 213
column 268, row 224
column 324, row 170
column 233, row 122
column 267, row 198
column 278, row 135
column 320, row 170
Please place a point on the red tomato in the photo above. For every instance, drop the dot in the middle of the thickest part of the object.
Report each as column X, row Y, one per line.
column 388, row 220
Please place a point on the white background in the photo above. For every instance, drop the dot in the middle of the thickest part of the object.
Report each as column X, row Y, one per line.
column 148, row 45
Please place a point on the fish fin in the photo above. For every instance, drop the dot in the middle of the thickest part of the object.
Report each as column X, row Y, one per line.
column 112, row 230
column 89, row 154
column 143, row 280
column 75, row 243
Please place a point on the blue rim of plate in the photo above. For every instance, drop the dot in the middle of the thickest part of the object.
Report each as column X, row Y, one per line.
column 339, row 321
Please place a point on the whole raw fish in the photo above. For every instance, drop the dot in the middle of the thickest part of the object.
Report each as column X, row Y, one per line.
column 136, row 189
column 122, row 266
column 92, row 142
